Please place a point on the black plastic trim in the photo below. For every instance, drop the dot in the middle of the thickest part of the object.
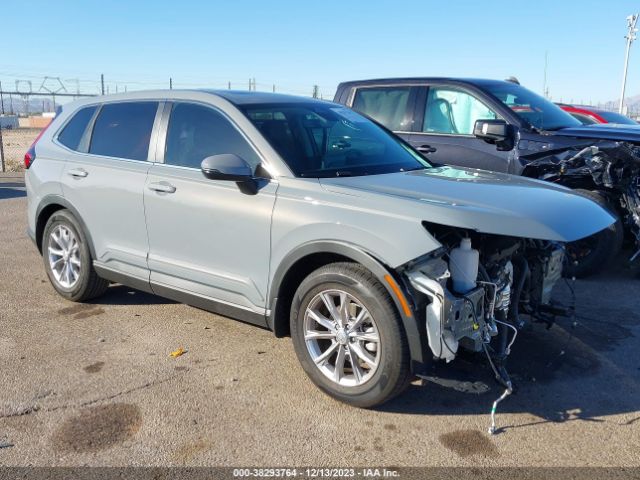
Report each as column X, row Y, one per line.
column 210, row 305
column 60, row 200
column 122, row 278
column 416, row 341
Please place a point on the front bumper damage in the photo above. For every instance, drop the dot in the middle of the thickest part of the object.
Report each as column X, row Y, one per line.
column 486, row 319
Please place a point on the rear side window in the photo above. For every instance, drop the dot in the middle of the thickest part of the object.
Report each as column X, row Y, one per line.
column 197, row 132
column 123, row 130
column 72, row 133
column 386, row 105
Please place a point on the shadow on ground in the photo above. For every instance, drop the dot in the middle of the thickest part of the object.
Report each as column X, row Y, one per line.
column 122, row 295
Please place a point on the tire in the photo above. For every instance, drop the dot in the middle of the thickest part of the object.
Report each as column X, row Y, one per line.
column 81, row 282
column 604, row 245
column 381, row 370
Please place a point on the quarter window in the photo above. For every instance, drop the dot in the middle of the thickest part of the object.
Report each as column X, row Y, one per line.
column 386, row 105
column 72, row 133
column 197, row 132
column 453, row 112
column 123, row 130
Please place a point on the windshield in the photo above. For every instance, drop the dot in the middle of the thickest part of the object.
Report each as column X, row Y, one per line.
column 321, row 141
column 532, row 108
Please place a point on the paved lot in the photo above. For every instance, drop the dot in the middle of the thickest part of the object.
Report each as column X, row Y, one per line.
column 93, row 384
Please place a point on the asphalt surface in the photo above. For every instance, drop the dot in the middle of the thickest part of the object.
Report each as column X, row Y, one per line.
column 93, row 384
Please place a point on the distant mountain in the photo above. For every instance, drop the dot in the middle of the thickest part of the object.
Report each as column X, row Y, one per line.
column 18, row 104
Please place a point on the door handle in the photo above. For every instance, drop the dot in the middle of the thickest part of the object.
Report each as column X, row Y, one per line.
column 78, row 172
column 162, row 187
column 426, row 149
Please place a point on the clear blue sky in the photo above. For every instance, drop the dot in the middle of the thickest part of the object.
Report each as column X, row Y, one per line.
column 296, row 44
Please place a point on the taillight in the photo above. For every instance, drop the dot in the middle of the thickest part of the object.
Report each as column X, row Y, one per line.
column 30, row 156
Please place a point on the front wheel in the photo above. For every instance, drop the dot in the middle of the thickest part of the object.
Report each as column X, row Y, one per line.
column 591, row 254
column 348, row 336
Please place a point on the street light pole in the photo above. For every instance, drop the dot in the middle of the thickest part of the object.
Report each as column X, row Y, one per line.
column 630, row 36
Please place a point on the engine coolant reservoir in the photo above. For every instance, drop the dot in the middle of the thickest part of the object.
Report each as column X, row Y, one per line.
column 463, row 265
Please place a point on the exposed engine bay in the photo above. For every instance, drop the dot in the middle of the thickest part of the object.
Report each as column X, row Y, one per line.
column 480, row 290
column 607, row 166
column 477, row 281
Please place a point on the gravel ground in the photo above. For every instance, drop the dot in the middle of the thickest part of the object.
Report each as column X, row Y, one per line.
column 93, row 384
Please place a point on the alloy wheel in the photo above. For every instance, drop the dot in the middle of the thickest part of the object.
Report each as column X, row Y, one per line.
column 342, row 337
column 64, row 256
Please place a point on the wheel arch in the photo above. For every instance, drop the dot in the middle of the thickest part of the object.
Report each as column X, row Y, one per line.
column 47, row 207
column 313, row 255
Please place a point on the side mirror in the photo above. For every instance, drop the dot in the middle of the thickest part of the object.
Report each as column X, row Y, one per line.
column 496, row 132
column 226, row 166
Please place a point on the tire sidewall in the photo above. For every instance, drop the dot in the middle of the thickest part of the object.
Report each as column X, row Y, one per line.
column 608, row 241
column 391, row 355
column 63, row 217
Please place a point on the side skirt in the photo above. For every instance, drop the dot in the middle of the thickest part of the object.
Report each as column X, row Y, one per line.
column 197, row 301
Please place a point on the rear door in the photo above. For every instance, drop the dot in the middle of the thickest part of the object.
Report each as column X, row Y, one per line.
column 392, row 106
column 444, row 121
column 207, row 238
column 104, row 177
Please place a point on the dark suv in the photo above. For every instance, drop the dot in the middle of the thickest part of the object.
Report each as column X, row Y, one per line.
column 504, row 127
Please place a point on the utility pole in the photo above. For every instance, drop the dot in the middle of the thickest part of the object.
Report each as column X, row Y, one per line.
column 1, row 99
column 315, row 91
column 102, row 83
column 630, row 36
column 545, row 88
column 170, row 83
column 228, row 85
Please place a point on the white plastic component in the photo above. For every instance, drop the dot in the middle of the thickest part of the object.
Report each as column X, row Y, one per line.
column 441, row 342
column 463, row 264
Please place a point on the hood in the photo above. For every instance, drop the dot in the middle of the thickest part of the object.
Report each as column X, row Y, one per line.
column 605, row 131
column 484, row 201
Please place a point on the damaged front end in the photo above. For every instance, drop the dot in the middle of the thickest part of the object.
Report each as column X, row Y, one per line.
column 479, row 290
column 511, row 282
column 608, row 167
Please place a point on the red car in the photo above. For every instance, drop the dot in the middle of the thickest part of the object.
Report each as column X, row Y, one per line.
column 588, row 115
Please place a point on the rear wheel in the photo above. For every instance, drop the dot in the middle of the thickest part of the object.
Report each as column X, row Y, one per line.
column 590, row 255
column 348, row 336
column 67, row 259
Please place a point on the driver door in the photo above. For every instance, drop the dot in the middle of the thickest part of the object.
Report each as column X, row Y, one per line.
column 207, row 239
column 446, row 116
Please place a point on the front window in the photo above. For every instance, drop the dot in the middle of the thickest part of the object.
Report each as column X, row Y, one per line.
column 453, row 112
column 318, row 140
column 537, row 111
column 196, row 132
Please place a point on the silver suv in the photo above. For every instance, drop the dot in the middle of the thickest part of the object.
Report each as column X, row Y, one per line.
column 303, row 217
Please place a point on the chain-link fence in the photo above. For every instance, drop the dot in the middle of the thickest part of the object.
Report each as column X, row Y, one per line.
column 15, row 143
column 22, row 118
